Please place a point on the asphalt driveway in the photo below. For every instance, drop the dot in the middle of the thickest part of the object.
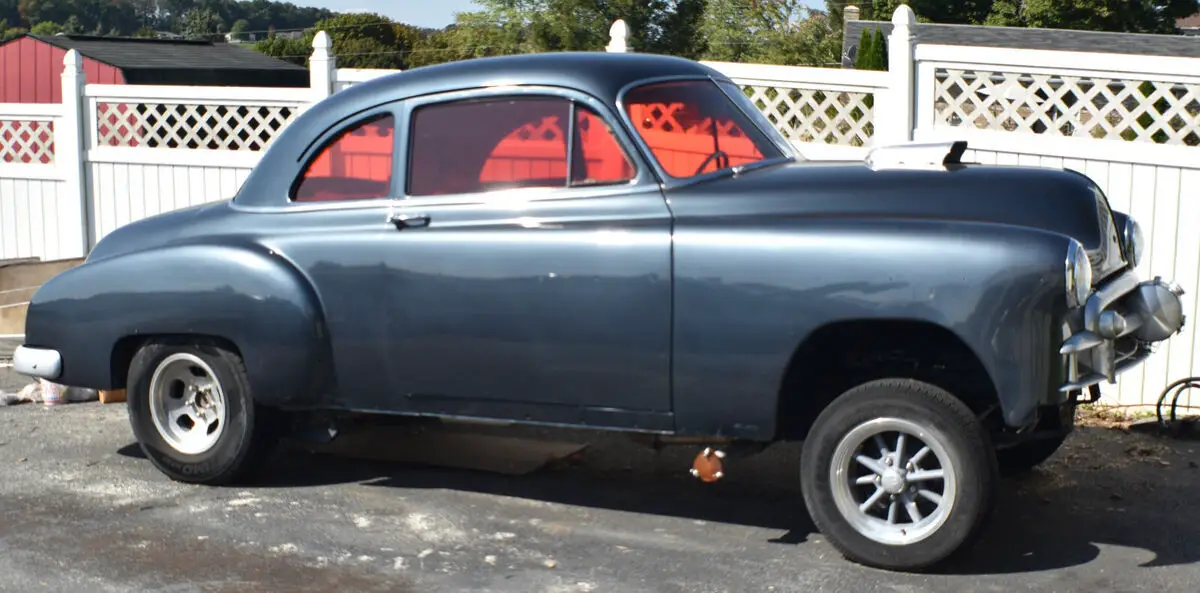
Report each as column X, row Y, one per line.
column 81, row 512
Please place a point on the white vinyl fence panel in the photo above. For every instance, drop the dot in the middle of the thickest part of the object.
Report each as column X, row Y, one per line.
column 1128, row 123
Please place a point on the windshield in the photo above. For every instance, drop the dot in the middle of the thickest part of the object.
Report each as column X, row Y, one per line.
column 692, row 127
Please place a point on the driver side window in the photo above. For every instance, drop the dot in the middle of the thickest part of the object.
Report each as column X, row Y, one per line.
column 511, row 142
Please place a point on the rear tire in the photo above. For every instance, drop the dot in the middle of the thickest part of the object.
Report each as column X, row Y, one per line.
column 926, row 497
column 193, row 412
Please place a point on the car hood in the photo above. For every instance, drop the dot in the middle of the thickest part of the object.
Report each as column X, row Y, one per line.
column 1053, row 200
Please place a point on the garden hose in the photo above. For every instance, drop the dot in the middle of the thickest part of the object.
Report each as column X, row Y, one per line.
column 1180, row 387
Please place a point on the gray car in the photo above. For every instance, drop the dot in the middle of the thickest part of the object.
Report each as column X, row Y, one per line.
column 622, row 242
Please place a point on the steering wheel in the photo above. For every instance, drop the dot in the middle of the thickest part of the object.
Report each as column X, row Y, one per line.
column 718, row 156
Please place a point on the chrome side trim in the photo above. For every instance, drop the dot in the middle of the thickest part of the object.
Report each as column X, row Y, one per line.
column 37, row 362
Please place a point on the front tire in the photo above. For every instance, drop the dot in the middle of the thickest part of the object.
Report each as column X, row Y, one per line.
column 898, row 474
column 193, row 412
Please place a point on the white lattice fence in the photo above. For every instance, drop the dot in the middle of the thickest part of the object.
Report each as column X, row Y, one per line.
column 190, row 126
column 26, row 142
column 812, row 106
column 27, row 133
column 1083, row 96
column 233, row 119
column 1159, row 112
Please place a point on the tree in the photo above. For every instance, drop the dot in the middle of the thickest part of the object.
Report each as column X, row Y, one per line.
column 865, row 53
column 238, row 30
column 146, row 32
column 7, row 32
column 1137, row 16
column 778, row 32
column 879, row 46
column 72, row 26
column 46, row 29
column 958, row 12
column 360, row 40
column 201, row 23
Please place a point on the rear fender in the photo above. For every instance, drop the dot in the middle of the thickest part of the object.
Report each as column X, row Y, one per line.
column 246, row 294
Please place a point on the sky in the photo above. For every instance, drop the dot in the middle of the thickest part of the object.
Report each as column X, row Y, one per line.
column 421, row 13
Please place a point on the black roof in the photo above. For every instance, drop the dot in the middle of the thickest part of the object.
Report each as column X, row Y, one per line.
column 185, row 62
column 1028, row 38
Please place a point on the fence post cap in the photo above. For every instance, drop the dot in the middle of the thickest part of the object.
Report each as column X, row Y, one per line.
column 618, row 37
column 904, row 16
column 322, row 41
column 72, row 58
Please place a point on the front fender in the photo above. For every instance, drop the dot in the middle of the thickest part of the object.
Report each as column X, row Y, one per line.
column 748, row 298
column 245, row 294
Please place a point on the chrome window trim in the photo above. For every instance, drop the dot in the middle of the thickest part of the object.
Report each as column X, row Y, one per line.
column 668, row 182
column 288, row 205
column 642, row 178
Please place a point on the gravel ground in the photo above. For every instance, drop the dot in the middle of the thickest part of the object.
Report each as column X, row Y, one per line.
column 81, row 512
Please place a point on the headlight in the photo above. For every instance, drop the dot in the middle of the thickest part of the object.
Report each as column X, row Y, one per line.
column 1079, row 274
column 1134, row 241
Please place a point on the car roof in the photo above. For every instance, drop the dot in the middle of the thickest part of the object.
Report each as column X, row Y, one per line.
column 600, row 74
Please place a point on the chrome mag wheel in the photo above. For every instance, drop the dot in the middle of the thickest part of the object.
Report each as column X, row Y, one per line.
column 187, row 404
column 893, row 481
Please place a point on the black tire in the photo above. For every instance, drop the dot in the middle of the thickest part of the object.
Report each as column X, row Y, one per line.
column 943, row 418
column 1022, row 458
column 249, row 434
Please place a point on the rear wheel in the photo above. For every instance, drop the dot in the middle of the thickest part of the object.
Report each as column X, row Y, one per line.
column 898, row 474
column 193, row 412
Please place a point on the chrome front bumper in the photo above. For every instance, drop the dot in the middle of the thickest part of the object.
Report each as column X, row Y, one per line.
column 37, row 362
column 1118, row 327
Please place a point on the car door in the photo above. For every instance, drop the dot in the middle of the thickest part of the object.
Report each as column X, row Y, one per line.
column 529, row 267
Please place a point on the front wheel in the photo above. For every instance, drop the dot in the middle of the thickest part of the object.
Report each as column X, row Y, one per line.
column 193, row 412
column 898, row 474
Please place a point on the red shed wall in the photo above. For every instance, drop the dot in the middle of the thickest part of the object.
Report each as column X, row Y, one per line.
column 31, row 72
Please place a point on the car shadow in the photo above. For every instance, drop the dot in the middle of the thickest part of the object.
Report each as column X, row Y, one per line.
column 1102, row 490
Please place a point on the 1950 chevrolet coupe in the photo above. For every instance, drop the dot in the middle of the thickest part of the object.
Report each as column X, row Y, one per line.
column 624, row 242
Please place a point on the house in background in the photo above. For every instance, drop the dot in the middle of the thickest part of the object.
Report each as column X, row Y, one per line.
column 1189, row 25
column 31, row 66
column 1028, row 38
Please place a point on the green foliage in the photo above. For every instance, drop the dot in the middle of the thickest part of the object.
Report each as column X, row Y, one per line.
column 125, row 17
column 779, row 32
column 202, row 23
column 7, row 33
column 879, row 45
column 360, row 40
column 961, row 12
column 72, row 26
column 1137, row 16
column 865, row 53
column 46, row 29
column 872, row 51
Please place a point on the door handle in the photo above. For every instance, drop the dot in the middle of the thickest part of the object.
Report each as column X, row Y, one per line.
column 403, row 220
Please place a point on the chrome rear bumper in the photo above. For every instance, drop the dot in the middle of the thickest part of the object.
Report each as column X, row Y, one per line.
column 37, row 362
column 1118, row 327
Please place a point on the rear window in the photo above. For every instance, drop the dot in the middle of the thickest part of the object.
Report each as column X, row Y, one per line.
column 693, row 128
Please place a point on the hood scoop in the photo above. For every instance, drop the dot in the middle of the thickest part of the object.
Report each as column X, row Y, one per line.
column 938, row 156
